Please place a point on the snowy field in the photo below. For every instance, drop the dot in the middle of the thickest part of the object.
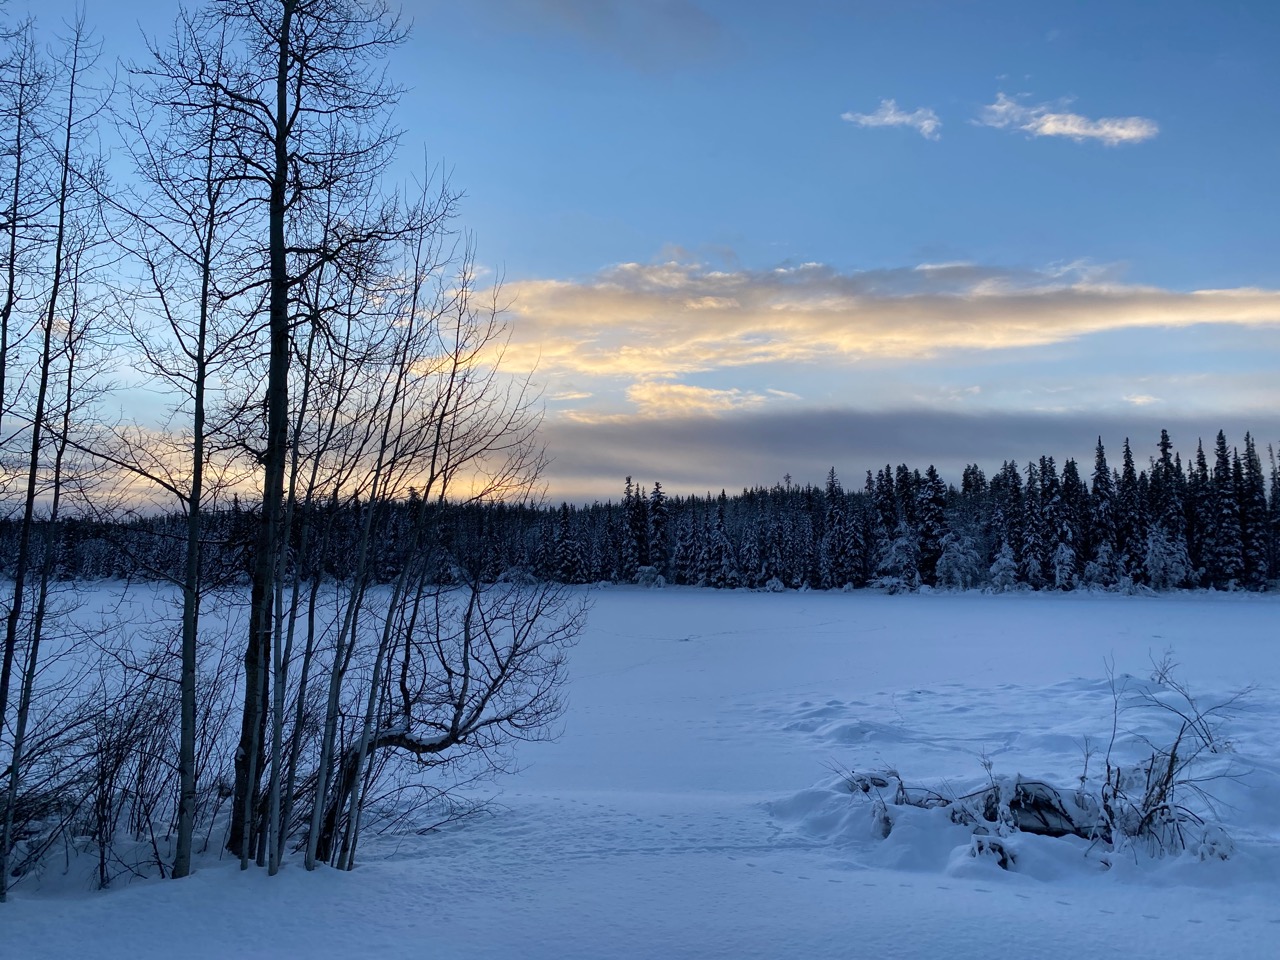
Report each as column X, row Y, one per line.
column 695, row 807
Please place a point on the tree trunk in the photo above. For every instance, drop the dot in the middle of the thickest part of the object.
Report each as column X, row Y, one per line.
column 257, row 657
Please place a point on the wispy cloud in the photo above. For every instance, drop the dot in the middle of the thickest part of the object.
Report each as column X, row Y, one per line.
column 1043, row 120
column 923, row 120
column 636, row 322
column 656, row 398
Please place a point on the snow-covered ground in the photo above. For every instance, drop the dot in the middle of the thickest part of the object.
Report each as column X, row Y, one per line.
column 693, row 808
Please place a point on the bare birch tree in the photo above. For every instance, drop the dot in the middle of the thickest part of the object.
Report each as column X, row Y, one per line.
column 62, row 332
column 187, row 220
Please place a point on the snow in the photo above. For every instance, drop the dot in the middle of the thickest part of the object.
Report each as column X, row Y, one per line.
column 695, row 804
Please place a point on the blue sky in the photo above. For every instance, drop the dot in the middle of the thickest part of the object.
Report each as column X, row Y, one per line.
column 591, row 139
column 747, row 238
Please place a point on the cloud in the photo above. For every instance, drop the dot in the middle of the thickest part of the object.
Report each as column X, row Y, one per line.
column 654, row 398
column 697, row 454
column 1042, row 120
column 1141, row 399
column 923, row 119
column 638, row 322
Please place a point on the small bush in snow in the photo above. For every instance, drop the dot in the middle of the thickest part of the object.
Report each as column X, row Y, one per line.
column 650, row 577
column 1157, row 805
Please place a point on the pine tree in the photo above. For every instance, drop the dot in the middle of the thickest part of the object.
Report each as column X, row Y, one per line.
column 1075, row 510
column 931, row 524
column 721, row 561
column 773, row 563
column 1056, row 527
column 1033, row 563
column 899, row 570
column 1102, row 522
column 637, row 513
column 1201, row 522
column 1166, row 561
column 1228, row 550
column 959, row 566
column 1004, row 570
column 686, row 556
column 659, row 548
column 1131, row 520
column 1273, row 515
column 905, row 486
column 749, row 558
column 568, row 549
column 833, row 561
column 1252, row 493
column 886, row 503
column 1006, row 497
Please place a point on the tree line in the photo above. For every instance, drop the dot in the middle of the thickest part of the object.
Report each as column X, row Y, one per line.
column 1213, row 522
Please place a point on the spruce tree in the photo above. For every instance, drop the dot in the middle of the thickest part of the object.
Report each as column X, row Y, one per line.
column 1131, row 520
column 1252, row 493
column 1228, row 550
column 1102, row 521
column 659, row 548
column 568, row 550
column 931, row 524
column 1201, row 521
column 721, row 564
column 1034, row 560
column 905, row 485
column 1273, row 515
column 899, row 570
column 833, row 564
column 1166, row 561
column 749, row 557
column 1006, row 500
column 1004, row 570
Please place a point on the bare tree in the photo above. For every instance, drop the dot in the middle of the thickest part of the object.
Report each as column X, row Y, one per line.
column 320, row 339
column 308, row 116
column 187, row 220
column 63, row 329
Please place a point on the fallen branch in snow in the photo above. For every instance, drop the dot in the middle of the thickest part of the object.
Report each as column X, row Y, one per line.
column 1144, row 804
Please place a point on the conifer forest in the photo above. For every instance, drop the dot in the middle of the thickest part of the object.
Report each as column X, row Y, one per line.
column 1211, row 521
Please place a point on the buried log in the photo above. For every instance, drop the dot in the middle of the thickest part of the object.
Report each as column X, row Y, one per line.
column 1027, row 806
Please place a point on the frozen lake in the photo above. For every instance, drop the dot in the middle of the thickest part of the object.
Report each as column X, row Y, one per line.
column 694, row 807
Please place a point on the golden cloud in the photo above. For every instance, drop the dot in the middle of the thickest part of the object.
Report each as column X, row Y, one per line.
column 657, row 398
column 642, row 322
